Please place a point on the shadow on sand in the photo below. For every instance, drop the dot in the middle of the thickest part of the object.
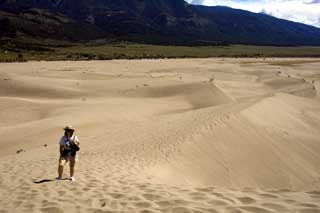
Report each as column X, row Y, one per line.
column 47, row 180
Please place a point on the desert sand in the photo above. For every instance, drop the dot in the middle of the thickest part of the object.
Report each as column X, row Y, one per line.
column 184, row 135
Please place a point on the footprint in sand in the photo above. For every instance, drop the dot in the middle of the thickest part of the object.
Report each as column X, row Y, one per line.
column 202, row 210
column 246, row 200
column 232, row 210
column 52, row 210
column 255, row 209
column 199, row 198
column 116, row 195
column 275, row 207
column 98, row 211
column 103, row 203
column 310, row 205
column 142, row 204
column 208, row 189
column 280, row 191
column 146, row 211
column 314, row 193
column 181, row 202
column 17, row 203
column 265, row 195
column 217, row 203
column 196, row 194
column 308, row 210
column 28, row 206
column 222, row 197
column 289, row 201
column 164, row 203
column 62, row 193
column 247, row 189
column 152, row 197
column 181, row 210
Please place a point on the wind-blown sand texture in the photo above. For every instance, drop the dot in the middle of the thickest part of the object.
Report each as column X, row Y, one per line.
column 187, row 135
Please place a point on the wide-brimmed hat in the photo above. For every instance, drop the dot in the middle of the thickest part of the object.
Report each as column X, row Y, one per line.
column 69, row 128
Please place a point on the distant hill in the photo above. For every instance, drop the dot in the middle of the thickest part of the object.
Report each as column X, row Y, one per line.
column 147, row 21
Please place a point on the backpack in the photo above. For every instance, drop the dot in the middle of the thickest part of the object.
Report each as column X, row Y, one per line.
column 73, row 148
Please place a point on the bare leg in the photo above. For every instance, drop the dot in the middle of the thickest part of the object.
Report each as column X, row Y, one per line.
column 72, row 164
column 62, row 163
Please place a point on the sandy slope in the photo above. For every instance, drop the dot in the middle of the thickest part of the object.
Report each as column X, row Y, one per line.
column 205, row 135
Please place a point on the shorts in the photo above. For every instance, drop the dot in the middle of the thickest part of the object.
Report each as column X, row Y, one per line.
column 69, row 157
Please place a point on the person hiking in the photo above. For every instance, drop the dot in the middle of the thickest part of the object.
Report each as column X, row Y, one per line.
column 69, row 146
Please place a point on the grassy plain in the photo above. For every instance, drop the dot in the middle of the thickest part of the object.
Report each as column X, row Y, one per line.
column 35, row 52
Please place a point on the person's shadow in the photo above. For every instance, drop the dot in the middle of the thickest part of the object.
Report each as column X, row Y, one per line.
column 47, row 180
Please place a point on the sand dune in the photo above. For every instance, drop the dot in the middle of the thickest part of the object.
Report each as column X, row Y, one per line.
column 191, row 135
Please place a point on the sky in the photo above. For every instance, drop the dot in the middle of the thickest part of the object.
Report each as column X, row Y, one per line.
column 304, row 11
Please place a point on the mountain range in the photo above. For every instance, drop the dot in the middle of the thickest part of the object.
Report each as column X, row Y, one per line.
column 147, row 21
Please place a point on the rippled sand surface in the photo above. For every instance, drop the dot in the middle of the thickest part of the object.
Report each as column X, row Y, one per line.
column 186, row 135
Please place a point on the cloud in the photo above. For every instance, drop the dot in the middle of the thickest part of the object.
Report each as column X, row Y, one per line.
column 311, row 1
column 304, row 11
column 197, row 2
column 264, row 11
